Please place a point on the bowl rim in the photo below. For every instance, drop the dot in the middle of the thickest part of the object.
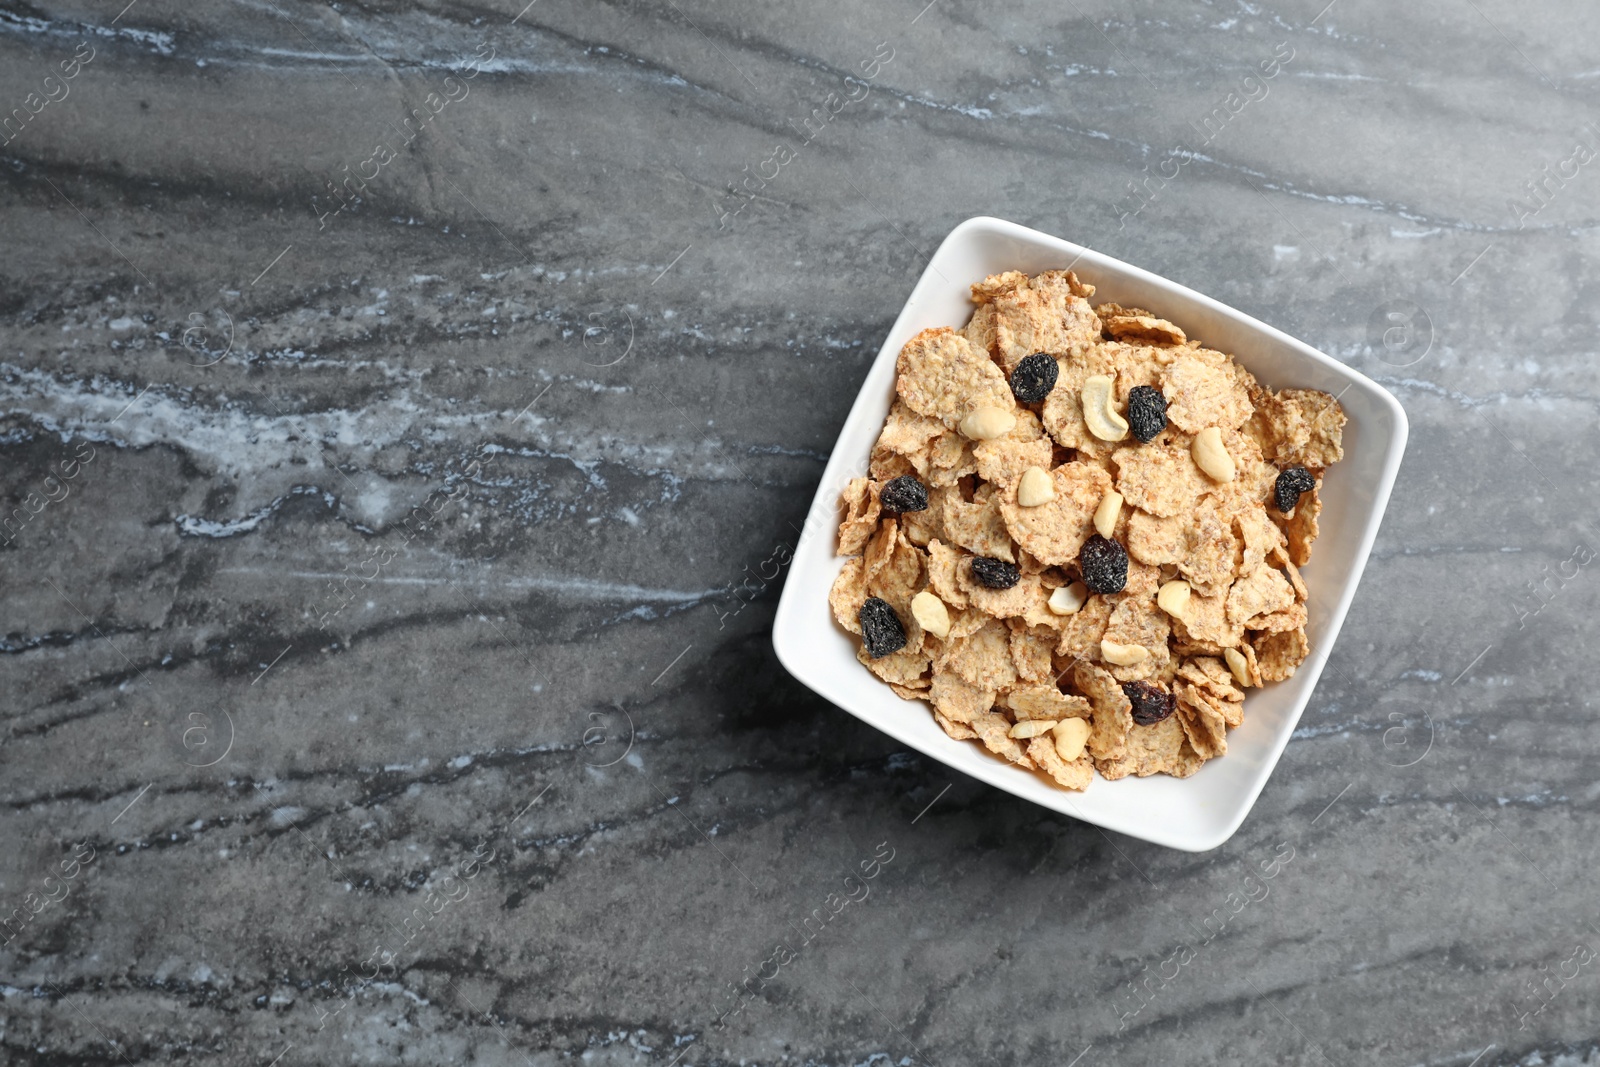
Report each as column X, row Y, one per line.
column 789, row 624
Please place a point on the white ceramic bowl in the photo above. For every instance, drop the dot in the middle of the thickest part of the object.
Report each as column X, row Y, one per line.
column 1196, row 813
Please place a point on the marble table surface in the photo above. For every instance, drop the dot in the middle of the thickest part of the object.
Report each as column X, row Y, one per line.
column 403, row 403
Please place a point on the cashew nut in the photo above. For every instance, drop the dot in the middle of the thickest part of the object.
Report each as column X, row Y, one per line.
column 931, row 614
column 1238, row 665
column 1105, row 516
column 1210, row 455
column 1123, row 655
column 1035, row 487
column 1069, row 598
column 987, row 423
column 1099, row 408
column 1070, row 735
column 1172, row 597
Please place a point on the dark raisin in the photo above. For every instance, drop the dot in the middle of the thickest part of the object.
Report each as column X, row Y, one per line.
column 995, row 573
column 903, row 494
column 1151, row 703
column 1103, row 564
column 880, row 628
column 1147, row 412
column 1291, row 483
column 1034, row 377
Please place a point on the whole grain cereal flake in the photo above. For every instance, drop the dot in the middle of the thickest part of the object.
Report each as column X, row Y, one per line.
column 1213, row 550
column 1160, row 749
column 1300, row 427
column 983, row 657
column 1293, row 617
column 980, row 330
column 903, row 667
column 1278, row 654
column 1136, row 324
column 943, row 563
column 958, row 731
column 1113, row 711
column 1160, row 479
column 1031, row 649
column 1205, row 621
column 859, row 502
column 1137, row 620
column 1075, row 775
column 1264, row 591
column 942, row 375
column 1002, row 460
column 1082, row 632
column 1301, row 527
column 848, row 592
column 908, row 433
column 995, row 733
column 1157, row 540
column 922, row 527
column 1046, row 702
column 1016, row 601
column 979, row 527
column 1201, row 394
column 1054, row 531
column 957, row 699
column 1202, row 722
column 1044, row 316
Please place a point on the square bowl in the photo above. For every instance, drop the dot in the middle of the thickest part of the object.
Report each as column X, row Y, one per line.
column 1194, row 814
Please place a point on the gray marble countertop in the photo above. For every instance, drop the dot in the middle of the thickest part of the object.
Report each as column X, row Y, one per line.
column 396, row 399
